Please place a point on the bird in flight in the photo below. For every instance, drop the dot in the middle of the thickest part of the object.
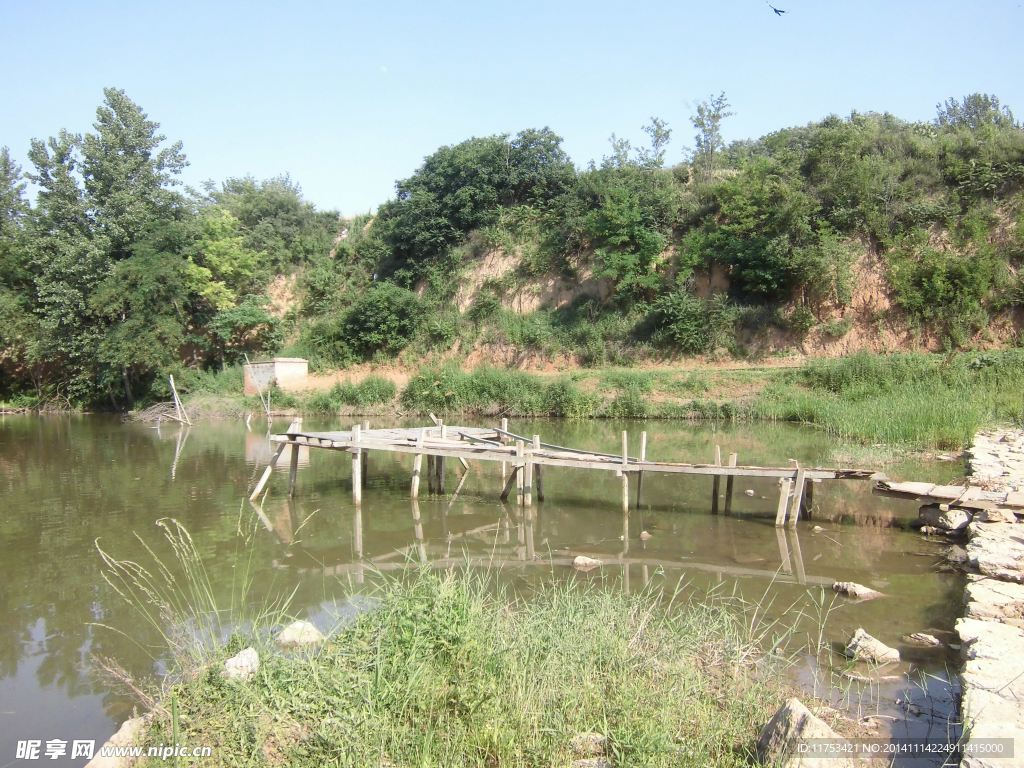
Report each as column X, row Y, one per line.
column 777, row 11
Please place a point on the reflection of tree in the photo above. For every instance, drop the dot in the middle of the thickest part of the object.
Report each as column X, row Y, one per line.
column 67, row 482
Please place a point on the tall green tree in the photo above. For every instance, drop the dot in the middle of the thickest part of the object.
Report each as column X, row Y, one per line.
column 707, row 119
column 100, row 197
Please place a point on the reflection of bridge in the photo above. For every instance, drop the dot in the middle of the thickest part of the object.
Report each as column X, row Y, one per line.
column 528, row 457
column 503, row 555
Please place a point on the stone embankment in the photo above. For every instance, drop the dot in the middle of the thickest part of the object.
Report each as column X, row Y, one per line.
column 992, row 630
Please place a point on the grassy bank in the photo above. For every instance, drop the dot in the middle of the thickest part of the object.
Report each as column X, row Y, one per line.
column 912, row 400
column 449, row 670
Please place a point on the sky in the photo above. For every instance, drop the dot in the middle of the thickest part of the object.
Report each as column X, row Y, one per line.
column 348, row 97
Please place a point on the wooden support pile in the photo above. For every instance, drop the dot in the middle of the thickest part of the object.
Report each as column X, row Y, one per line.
column 527, row 457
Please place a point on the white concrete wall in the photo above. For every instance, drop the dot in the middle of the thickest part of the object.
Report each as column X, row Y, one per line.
column 288, row 372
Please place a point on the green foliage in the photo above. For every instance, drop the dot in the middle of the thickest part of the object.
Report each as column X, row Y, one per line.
column 909, row 400
column 628, row 224
column 244, row 329
column 275, row 220
column 695, row 325
column 383, row 319
column 942, row 287
column 492, row 390
column 461, row 188
column 802, row 320
column 707, row 119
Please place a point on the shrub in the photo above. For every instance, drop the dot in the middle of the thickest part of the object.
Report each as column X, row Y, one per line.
column 384, row 318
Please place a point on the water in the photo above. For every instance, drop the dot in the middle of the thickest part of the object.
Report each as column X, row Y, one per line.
column 68, row 481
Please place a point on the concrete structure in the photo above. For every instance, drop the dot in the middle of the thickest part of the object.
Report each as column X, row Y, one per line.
column 287, row 372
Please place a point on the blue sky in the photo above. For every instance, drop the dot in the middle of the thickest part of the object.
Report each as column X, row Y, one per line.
column 349, row 97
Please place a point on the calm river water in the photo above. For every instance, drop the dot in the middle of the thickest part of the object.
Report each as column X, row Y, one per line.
column 70, row 480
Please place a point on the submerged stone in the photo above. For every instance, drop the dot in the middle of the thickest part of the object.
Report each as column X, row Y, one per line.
column 923, row 638
column 583, row 561
column 299, row 633
column 855, row 590
column 779, row 742
column 864, row 647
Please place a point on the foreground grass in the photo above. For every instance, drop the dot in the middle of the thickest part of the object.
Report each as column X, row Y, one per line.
column 448, row 670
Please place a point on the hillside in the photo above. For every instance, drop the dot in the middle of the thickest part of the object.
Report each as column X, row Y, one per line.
column 864, row 232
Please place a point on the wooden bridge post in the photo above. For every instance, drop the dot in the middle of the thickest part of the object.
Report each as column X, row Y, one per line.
column 357, row 475
column 274, row 459
column 502, row 439
column 798, row 498
column 440, row 464
column 733, row 458
column 780, row 514
column 538, row 469
column 508, row 484
column 358, row 543
column 293, row 468
column 807, row 508
column 417, row 529
column 625, row 475
column 640, row 475
column 365, row 463
column 521, row 474
column 717, row 483
column 417, row 466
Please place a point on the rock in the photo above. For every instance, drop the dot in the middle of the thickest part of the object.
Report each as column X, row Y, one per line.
column 749, row 492
column 953, row 520
column 588, row 744
column 854, row 590
column 241, row 666
column 779, row 742
column 126, row 736
column 581, row 561
column 299, row 633
column 995, row 516
column 956, row 554
column 864, row 647
column 592, row 762
column 922, row 638
column 997, row 550
column 995, row 600
column 644, row 535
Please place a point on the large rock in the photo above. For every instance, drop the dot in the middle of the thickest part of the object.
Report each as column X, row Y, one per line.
column 997, row 550
column 995, row 600
column 779, row 742
column 864, row 647
column 953, row 520
column 582, row 561
column 855, row 590
column 242, row 666
column 299, row 633
column 126, row 736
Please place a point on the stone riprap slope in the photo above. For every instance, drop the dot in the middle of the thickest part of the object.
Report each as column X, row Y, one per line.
column 992, row 632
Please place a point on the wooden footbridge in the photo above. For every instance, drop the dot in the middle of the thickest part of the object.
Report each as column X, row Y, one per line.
column 528, row 456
